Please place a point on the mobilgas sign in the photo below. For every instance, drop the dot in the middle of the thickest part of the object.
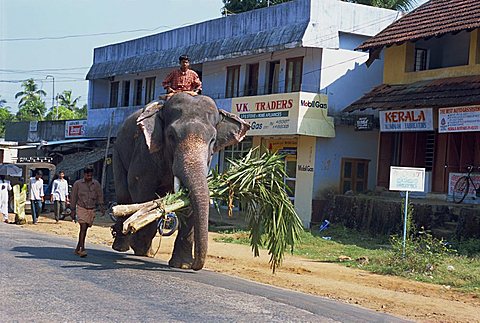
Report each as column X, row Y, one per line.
column 406, row 120
column 286, row 113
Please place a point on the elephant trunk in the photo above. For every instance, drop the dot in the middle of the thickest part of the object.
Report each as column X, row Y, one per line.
column 191, row 168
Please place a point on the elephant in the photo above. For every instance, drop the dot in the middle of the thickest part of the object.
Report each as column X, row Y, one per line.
column 158, row 148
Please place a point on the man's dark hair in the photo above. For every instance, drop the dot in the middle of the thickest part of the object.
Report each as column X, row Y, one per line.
column 183, row 58
column 61, row 172
column 39, row 173
column 88, row 169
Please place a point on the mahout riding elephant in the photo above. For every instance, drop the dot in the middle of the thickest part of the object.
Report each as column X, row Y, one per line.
column 158, row 146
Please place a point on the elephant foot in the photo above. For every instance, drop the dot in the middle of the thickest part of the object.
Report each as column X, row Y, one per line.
column 175, row 263
column 197, row 265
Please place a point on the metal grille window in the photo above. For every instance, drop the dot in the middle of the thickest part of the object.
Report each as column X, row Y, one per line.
column 114, row 94
column 150, row 89
column 420, row 59
column 233, row 79
column 126, row 93
column 293, row 78
column 235, row 152
column 137, row 95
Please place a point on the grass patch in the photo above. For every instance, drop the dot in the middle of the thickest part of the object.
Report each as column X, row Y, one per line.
column 460, row 270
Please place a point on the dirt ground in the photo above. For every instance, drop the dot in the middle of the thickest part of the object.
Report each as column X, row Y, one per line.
column 408, row 299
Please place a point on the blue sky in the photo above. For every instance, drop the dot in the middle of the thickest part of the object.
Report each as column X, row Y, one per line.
column 68, row 59
column 27, row 26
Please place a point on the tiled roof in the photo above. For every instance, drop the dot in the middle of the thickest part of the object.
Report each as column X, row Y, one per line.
column 447, row 92
column 434, row 18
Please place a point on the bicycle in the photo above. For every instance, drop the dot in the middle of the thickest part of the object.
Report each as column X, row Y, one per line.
column 462, row 186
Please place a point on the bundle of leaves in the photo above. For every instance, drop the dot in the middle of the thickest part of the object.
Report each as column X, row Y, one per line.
column 257, row 183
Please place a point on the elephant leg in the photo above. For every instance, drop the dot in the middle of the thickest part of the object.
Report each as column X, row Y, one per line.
column 182, row 250
column 141, row 241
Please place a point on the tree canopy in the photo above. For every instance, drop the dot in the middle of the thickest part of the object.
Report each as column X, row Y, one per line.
column 238, row 6
column 5, row 116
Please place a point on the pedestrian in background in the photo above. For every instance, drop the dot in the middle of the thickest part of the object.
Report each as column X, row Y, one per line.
column 86, row 196
column 5, row 186
column 36, row 195
column 59, row 195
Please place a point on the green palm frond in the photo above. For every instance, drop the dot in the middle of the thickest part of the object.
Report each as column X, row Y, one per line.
column 257, row 183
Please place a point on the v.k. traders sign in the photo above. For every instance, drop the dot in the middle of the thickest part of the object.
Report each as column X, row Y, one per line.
column 286, row 114
column 406, row 120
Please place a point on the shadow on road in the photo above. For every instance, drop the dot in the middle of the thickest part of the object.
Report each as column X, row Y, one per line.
column 96, row 259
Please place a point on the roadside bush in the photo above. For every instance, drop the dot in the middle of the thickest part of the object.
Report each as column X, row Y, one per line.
column 423, row 252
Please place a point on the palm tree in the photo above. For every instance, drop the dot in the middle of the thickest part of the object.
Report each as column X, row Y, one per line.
column 65, row 100
column 402, row 5
column 30, row 92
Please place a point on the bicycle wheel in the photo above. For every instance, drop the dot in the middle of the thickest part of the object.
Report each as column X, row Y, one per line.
column 168, row 225
column 460, row 190
column 109, row 211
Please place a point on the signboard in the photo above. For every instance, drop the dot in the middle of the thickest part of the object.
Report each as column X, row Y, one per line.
column 363, row 123
column 453, row 178
column 408, row 179
column 406, row 120
column 33, row 126
column 286, row 114
column 75, row 129
column 459, row 119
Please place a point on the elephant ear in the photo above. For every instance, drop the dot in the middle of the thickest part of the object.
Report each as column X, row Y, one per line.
column 230, row 130
column 147, row 121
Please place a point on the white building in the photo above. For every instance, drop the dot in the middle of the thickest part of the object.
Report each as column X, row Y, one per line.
column 288, row 69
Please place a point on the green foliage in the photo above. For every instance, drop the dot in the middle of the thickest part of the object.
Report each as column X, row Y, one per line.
column 32, row 109
column 470, row 247
column 257, row 182
column 238, row 6
column 402, row 5
column 67, row 108
column 5, row 116
column 31, row 106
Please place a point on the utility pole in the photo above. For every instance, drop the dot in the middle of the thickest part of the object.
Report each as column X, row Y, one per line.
column 53, row 95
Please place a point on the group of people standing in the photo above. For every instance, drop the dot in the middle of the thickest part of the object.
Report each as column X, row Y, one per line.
column 84, row 199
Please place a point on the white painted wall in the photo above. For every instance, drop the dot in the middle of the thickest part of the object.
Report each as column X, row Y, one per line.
column 347, row 144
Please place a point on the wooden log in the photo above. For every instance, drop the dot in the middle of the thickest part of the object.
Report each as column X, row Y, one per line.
column 150, row 216
column 122, row 210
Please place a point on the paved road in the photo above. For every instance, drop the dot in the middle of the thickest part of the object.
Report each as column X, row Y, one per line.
column 43, row 281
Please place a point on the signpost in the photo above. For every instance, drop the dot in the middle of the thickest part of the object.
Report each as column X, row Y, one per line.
column 407, row 179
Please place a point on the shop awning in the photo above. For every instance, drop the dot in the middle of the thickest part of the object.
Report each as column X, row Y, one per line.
column 77, row 161
column 440, row 93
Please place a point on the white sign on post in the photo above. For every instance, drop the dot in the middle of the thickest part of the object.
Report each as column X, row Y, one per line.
column 407, row 179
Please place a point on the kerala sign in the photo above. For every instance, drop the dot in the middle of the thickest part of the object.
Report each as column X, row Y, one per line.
column 298, row 113
column 459, row 119
column 406, row 120
column 75, row 129
column 407, row 179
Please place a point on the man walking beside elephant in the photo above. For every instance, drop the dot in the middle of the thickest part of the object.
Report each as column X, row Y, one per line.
column 86, row 196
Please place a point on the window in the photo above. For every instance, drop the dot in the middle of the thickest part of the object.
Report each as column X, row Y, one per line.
column 150, row 89
column 126, row 94
column 273, row 75
column 251, row 84
column 293, row 77
column 440, row 52
column 420, row 59
column 114, row 94
column 233, row 79
column 236, row 151
column 137, row 94
column 354, row 175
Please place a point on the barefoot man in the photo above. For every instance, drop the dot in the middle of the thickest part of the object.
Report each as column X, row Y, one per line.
column 86, row 196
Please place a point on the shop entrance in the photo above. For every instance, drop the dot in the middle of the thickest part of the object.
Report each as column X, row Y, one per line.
column 287, row 147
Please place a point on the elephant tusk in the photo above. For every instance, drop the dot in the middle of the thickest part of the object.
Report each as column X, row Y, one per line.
column 176, row 184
